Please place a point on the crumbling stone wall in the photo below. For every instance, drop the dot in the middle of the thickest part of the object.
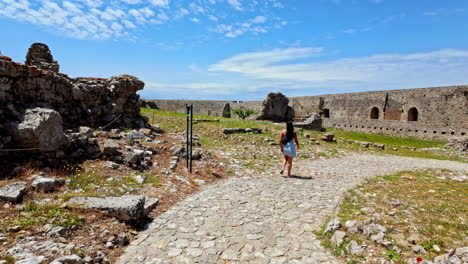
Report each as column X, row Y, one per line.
column 59, row 100
column 204, row 107
column 442, row 111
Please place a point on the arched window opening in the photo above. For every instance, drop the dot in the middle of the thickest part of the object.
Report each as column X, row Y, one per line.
column 374, row 114
column 326, row 113
column 413, row 114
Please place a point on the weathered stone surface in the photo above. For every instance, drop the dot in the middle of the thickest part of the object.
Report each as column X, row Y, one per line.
column 276, row 108
column 40, row 128
column 338, row 238
column 111, row 147
column 460, row 144
column 314, row 122
column 124, row 208
column 42, row 184
column 72, row 259
column 354, row 248
column 150, row 204
column 32, row 260
column 39, row 55
column 12, row 192
column 333, row 225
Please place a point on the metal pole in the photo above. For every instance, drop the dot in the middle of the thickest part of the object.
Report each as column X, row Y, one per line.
column 191, row 136
column 187, row 138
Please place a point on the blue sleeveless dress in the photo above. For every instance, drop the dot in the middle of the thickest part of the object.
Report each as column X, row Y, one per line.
column 289, row 149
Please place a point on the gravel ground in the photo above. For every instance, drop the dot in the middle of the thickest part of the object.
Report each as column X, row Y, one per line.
column 264, row 218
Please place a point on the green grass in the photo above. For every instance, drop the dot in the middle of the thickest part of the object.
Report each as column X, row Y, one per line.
column 34, row 214
column 432, row 206
column 388, row 140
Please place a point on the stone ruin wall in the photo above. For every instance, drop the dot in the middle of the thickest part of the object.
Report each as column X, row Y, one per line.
column 442, row 111
column 205, row 107
column 29, row 93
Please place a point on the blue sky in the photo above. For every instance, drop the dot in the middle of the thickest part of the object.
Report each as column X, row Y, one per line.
column 244, row 49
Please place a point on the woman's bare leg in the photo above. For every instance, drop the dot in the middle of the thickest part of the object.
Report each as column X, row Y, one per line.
column 290, row 160
column 285, row 160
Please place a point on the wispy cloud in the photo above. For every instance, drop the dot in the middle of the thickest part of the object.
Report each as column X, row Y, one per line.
column 441, row 67
column 255, row 26
column 98, row 19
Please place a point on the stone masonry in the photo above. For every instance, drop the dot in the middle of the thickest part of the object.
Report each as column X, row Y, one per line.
column 428, row 113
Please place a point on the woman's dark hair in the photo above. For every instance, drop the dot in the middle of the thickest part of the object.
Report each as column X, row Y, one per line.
column 289, row 133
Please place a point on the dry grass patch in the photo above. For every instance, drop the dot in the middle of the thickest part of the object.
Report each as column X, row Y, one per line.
column 418, row 208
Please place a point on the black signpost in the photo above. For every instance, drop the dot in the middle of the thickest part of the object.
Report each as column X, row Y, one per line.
column 188, row 157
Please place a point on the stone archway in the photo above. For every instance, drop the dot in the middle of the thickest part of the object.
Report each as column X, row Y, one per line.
column 413, row 114
column 374, row 114
column 226, row 111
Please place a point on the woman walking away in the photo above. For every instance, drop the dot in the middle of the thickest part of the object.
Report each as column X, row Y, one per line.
column 287, row 146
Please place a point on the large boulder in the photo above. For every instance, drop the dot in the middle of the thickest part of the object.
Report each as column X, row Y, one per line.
column 124, row 208
column 39, row 55
column 276, row 108
column 41, row 128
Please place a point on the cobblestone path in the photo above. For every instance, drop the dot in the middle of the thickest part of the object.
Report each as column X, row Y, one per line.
column 263, row 219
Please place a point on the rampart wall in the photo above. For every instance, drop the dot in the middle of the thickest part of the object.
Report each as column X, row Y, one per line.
column 428, row 113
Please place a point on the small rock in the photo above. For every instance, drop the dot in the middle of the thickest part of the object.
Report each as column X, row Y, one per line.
column 46, row 184
column 85, row 130
column 72, row 259
column 13, row 192
column 418, row 249
column 378, row 237
column 333, row 225
column 353, row 226
column 111, row 165
column 111, row 147
column 139, row 179
column 57, row 231
column 354, row 248
column 338, row 238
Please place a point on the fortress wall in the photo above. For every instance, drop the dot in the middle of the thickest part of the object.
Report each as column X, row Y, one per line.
column 205, row 107
column 442, row 112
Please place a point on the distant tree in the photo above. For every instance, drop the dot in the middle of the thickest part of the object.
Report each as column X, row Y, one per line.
column 244, row 113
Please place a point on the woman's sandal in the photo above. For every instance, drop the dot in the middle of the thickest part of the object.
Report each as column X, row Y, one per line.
column 281, row 172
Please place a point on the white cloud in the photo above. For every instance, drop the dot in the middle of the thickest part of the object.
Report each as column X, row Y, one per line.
column 259, row 20
column 160, row 3
column 442, row 67
column 190, row 88
column 94, row 19
column 131, row 2
column 235, row 4
column 240, row 28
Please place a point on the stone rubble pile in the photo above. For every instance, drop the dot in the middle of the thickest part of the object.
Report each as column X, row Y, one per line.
column 39, row 106
column 377, row 234
column 242, row 130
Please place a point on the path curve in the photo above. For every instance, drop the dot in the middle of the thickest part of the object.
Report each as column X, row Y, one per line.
column 266, row 219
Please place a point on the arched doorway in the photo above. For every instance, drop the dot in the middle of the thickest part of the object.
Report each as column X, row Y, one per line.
column 374, row 114
column 413, row 114
column 326, row 113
